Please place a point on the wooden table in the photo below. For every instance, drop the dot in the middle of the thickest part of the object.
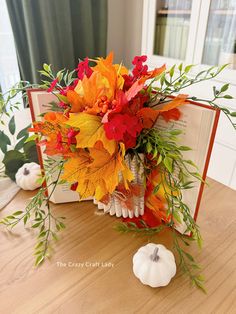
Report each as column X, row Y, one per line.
column 63, row 285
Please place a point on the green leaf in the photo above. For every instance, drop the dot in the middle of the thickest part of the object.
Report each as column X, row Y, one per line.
column 184, row 148
column 62, row 98
column 224, row 88
column 222, row 67
column 162, row 79
column 42, row 234
column 197, row 175
column 13, row 93
column 55, row 237
column 13, row 160
column 39, row 260
column 44, row 73
column 12, row 125
column 4, row 141
column 233, row 114
column 26, row 219
column 199, row 74
column 154, row 153
column 225, row 110
column 156, row 189
column 180, row 67
column 188, row 68
column 62, row 182
column 32, row 138
column 36, row 225
column 31, row 151
column 62, row 225
column 175, row 132
column 228, row 97
column 149, row 147
column 41, row 180
column 159, row 160
column 188, row 256
column 20, row 144
column 177, row 216
column 47, row 67
column 190, row 162
column 167, row 82
column 19, row 212
column 168, row 162
column 172, row 71
column 23, row 133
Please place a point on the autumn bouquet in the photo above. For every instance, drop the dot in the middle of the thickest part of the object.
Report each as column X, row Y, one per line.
column 104, row 133
column 107, row 145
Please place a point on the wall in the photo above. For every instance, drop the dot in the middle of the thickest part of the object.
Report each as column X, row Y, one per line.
column 125, row 29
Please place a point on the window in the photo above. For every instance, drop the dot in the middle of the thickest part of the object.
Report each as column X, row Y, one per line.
column 9, row 70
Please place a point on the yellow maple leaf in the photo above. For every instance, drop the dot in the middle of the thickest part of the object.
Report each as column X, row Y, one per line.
column 91, row 131
column 76, row 167
column 100, row 190
column 108, row 168
column 75, row 170
column 85, row 188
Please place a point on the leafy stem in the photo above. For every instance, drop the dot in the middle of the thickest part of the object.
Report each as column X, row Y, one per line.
column 186, row 261
column 43, row 220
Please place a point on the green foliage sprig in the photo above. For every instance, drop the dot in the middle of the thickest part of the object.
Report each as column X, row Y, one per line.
column 177, row 174
column 180, row 77
column 39, row 215
column 9, row 101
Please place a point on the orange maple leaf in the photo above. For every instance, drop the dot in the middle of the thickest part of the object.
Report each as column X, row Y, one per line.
column 76, row 101
column 148, row 116
column 177, row 101
column 173, row 114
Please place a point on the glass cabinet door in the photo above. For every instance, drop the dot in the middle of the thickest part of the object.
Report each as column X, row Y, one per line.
column 172, row 24
column 220, row 40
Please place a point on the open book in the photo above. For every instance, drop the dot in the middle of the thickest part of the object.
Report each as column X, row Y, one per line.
column 198, row 123
column 39, row 101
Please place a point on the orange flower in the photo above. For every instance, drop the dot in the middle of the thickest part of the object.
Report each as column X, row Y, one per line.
column 59, row 138
column 104, row 82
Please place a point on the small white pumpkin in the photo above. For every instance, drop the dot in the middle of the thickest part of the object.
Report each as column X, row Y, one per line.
column 27, row 176
column 154, row 265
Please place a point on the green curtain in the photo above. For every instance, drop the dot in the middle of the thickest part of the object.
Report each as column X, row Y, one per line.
column 58, row 32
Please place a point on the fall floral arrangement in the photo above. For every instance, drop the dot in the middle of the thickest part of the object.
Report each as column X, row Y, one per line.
column 102, row 132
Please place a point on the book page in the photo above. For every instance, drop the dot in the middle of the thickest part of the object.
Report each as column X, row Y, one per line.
column 196, row 123
column 40, row 101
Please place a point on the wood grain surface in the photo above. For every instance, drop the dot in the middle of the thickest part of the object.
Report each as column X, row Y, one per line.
column 105, row 282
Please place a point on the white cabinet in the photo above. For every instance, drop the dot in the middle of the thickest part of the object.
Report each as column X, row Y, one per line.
column 201, row 32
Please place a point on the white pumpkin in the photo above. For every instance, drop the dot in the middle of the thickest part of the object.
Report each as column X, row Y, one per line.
column 27, row 176
column 154, row 265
